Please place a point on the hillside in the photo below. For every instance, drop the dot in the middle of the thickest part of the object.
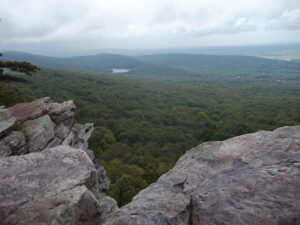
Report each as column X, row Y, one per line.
column 170, row 67
column 228, row 66
column 95, row 63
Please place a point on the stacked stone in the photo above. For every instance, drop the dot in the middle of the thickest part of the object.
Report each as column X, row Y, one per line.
column 47, row 174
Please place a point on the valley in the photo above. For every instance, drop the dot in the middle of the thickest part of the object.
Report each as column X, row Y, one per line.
column 147, row 118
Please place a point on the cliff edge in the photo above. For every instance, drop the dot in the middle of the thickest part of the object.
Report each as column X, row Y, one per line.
column 47, row 173
column 48, row 176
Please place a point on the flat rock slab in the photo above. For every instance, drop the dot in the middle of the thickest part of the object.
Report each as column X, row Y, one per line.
column 250, row 179
column 31, row 110
column 56, row 186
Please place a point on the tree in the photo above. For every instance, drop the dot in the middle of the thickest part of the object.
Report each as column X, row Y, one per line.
column 125, row 188
column 10, row 95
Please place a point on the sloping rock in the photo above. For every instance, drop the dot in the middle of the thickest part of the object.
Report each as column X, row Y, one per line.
column 39, row 132
column 6, row 121
column 56, row 186
column 250, row 179
column 31, row 110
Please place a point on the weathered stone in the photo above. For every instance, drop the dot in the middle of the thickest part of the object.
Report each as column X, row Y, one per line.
column 69, row 139
column 6, row 121
column 54, row 142
column 39, row 133
column 16, row 141
column 82, row 135
column 56, row 186
column 250, row 179
column 102, row 178
column 5, row 150
column 60, row 112
column 62, row 131
column 31, row 110
column 78, row 137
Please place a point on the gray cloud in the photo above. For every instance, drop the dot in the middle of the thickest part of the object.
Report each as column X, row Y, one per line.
column 100, row 21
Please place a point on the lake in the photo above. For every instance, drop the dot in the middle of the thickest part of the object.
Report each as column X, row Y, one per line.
column 120, row 70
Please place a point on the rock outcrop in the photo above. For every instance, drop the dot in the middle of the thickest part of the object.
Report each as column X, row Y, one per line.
column 251, row 179
column 56, row 186
column 42, row 124
column 48, row 176
column 47, row 173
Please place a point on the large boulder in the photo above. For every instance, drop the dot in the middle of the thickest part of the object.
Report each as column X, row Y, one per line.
column 250, row 179
column 56, row 186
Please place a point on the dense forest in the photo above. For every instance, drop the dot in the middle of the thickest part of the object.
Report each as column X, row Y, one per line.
column 143, row 126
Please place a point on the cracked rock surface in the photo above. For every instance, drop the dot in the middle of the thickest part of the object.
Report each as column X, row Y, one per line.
column 56, row 186
column 41, row 124
column 250, row 179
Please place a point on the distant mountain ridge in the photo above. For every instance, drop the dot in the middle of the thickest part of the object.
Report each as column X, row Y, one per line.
column 168, row 66
column 90, row 63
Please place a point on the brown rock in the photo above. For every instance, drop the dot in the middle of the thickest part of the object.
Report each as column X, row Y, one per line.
column 31, row 110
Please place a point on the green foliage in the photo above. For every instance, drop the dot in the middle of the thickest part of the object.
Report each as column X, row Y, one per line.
column 23, row 67
column 10, row 95
column 125, row 188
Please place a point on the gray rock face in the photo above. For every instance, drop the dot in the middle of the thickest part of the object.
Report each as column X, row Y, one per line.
column 56, row 186
column 82, row 134
column 250, row 179
column 59, row 185
column 6, row 121
column 104, row 182
column 16, row 142
column 5, row 150
column 62, row 112
column 39, row 132
column 45, row 124
column 62, row 131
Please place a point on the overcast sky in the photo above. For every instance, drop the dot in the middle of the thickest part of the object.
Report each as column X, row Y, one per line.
column 53, row 25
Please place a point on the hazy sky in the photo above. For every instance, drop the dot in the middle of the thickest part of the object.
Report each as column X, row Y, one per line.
column 53, row 25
